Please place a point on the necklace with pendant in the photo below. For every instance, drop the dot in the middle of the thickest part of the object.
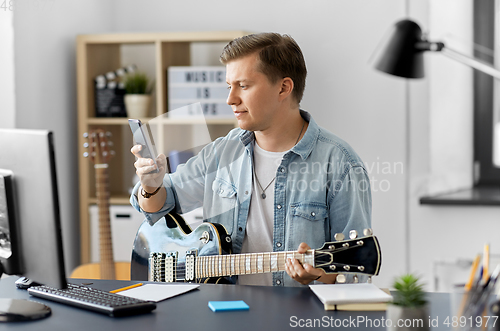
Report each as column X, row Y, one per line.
column 263, row 194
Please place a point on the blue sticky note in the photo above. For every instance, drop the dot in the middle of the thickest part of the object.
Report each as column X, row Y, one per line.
column 228, row 305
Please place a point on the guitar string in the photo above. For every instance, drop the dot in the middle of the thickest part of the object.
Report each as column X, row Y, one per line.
column 181, row 271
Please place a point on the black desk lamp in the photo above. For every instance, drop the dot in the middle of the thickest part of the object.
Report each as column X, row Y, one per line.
column 402, row 53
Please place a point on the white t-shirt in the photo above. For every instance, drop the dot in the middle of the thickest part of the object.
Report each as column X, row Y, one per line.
column 260, row 222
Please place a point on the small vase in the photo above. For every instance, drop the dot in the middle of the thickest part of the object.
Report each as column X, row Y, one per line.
column 407, row 319
column 137, row 105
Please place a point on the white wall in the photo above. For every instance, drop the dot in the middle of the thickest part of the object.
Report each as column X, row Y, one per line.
column 7, row 95
column 45, row 75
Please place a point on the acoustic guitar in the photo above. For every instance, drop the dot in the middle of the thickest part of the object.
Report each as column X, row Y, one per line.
column 100, row 154
column 170, row 251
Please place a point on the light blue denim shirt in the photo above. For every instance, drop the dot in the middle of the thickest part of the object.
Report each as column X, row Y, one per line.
column 321, row 188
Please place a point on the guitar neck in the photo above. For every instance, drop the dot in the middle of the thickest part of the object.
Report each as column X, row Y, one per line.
column 105, row 244
column 247, row 264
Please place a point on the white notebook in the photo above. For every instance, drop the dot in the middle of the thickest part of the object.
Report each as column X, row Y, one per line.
column 337, row 294
column 158, row 292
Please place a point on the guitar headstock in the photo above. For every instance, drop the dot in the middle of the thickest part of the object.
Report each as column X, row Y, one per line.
column 98, row 146
column 357, row 255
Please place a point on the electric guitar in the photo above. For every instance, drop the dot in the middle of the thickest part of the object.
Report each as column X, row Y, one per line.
column 100, row 154
column 169, row 251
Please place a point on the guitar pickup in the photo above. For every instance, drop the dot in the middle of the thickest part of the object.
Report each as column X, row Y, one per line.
column 190, row 265
column 162, row 267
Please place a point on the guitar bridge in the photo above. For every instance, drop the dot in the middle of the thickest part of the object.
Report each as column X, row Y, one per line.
column 162, row 267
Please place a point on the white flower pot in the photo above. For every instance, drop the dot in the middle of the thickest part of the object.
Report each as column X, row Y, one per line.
column 407, row 319
column 137, row 105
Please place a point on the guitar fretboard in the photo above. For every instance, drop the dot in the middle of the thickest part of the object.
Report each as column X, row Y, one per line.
column 245, row 264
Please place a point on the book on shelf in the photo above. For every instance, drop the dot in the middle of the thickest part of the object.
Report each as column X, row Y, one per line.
column 360, row 297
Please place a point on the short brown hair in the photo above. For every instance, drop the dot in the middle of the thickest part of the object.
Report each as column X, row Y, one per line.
column 280, row 56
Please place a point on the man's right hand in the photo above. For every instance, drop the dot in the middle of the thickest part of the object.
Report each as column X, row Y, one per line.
column 143, row 167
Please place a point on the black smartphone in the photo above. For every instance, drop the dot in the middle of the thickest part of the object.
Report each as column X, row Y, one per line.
column 143, row 138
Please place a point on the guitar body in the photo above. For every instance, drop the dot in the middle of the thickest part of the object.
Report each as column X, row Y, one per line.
column 93, row 271
column 172, row 234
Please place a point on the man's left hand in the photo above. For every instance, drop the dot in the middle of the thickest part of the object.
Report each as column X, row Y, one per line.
column 306, row 273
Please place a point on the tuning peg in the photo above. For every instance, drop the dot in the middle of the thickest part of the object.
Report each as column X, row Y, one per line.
column 110, row 143
column 104, row 153
column 339, row 236
column 86, row 145
column 113, row 153
column 368, row 232
column 85, row 154
column 85, row 135
column 353, row 234
column 108, row 134
column 340, row 279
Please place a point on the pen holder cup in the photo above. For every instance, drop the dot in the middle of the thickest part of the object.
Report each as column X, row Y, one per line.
column 463, row 317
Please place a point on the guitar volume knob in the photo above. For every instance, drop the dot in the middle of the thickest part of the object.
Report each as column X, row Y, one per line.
column 205, row 237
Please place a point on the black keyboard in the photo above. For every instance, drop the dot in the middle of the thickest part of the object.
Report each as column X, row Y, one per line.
column 93, row 299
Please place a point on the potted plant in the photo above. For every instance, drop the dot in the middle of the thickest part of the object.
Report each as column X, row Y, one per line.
column 408, row 310
column 138, row 94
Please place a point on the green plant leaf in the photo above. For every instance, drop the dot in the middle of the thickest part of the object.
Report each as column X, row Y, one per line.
column 409, row 291
column 137, row 83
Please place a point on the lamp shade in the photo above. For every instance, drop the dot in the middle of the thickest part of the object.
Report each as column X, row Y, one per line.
column 399, row 54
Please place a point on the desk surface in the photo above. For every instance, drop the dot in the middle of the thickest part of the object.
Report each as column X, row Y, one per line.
column 271, row 308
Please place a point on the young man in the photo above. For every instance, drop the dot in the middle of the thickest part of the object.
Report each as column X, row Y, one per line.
column 277, row 183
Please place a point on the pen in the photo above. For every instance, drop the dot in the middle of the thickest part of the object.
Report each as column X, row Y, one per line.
column 473, row 270
column 126, row 288
column 486, row 262
column 468, row 286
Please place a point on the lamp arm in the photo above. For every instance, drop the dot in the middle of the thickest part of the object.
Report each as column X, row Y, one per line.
column 471, row 62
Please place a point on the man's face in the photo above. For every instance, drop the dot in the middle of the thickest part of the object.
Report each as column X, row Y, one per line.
column 252, row 96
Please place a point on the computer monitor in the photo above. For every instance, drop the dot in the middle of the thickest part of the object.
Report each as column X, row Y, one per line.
column 30, row 224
